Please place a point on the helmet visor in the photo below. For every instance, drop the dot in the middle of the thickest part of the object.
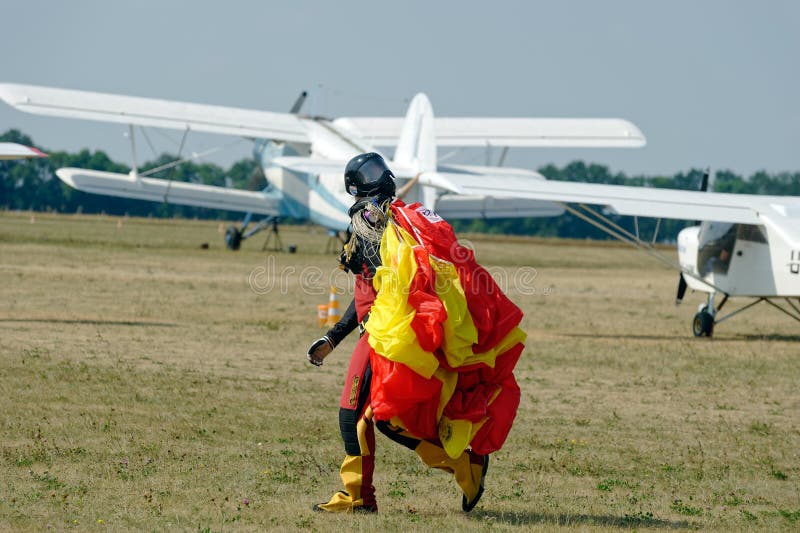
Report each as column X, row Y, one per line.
column 370, row 173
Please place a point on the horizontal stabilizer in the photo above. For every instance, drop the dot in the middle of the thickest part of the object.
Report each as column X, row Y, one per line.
column 173, row 192
column 515, row 132
column 153, row 112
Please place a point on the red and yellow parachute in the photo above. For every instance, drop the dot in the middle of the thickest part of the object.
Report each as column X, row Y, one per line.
column 444, row 337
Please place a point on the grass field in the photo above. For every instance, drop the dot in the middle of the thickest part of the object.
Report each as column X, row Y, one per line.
column 149, row 384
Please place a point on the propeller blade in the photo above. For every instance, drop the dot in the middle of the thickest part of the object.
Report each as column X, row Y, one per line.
column 298, row 103
column 681, row 289
column 704, row 183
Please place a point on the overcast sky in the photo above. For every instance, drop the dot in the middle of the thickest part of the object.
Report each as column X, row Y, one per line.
column 710, row 83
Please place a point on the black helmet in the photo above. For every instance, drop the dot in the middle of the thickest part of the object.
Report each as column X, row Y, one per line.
column 367, row 175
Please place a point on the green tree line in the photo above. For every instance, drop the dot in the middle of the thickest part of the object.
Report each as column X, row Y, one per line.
column 33, row 185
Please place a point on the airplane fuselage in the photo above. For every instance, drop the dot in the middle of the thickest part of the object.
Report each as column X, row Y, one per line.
column 739, row 260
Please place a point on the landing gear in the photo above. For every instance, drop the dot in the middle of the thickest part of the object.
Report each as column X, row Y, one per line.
column 704, row 320
column 273, row 236
column 703, row 323
column 233, row 238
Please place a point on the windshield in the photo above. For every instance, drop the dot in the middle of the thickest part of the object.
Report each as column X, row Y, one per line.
column 716, row 247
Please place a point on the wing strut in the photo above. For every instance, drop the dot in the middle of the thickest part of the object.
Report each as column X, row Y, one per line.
column 134, row 170
column 172, row 170
column 613, row 229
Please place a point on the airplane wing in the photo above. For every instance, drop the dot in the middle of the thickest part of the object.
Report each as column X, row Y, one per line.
column 514, row 132
column 466, row 205
column 780, row 212
column 173, row 192
column 154, row 112
column 19, row 151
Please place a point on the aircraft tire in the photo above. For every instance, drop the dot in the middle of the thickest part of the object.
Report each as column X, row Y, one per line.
column 233, row 238
column 703, row 324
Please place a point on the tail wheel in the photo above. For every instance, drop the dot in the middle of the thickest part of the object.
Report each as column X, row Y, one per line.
column 703, row 324
column 233, row 238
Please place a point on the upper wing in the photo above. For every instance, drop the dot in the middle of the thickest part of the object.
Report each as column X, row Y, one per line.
column 517, row 132
column 153, row 112
column 780, row 212
column 173, row 192
column 19, row 151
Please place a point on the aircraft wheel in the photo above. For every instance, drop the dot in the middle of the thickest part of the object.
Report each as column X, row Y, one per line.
column 233, row 238
column 703, row 324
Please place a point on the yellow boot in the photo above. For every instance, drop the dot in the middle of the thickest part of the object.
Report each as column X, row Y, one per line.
column 356, row 472
column 353, row 498
column 468, row 469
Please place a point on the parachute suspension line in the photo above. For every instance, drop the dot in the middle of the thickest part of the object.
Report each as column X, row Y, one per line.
column 611, row 228
column 369, row 222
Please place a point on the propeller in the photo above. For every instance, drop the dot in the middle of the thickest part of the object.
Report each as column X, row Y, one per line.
column 704, row 181
column 298, row 103
column 682, row 280
column 681, row 289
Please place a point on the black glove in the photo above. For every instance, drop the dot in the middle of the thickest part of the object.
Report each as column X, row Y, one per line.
column 318, row 350
column 353, row 264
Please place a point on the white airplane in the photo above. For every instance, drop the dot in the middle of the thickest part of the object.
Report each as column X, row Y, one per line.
column 303, row 156
column 19, row 151
column 747, row 245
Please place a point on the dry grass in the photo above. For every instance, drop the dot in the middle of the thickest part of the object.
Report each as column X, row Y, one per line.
column 144, row 385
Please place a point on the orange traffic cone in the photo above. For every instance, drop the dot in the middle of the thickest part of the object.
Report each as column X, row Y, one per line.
column 333, row 308
column 322, row 314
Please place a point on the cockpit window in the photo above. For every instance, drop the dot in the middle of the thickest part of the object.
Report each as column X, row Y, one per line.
column 716, row 247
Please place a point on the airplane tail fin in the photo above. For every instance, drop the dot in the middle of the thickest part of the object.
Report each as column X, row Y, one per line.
column 416, row 147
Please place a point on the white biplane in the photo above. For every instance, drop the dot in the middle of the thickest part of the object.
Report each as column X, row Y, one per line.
column 746, row 245
column 303, row 156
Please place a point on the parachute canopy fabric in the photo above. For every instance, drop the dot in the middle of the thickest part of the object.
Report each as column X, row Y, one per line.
column 444, row 337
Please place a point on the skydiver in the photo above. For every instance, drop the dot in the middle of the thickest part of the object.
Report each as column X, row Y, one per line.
column 372, row 183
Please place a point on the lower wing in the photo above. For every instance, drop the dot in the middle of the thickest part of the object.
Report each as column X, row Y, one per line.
column 173, row 192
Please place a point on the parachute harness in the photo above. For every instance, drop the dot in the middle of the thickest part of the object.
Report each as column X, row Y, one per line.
column 369, row 219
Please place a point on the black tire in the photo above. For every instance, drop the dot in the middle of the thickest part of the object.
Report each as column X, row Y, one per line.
column 703, row 324
column 233, row 238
